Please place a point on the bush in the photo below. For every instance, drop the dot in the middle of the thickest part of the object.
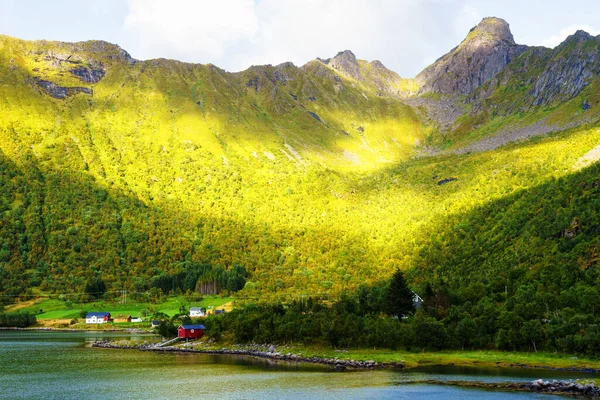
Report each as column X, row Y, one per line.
column 166, row 329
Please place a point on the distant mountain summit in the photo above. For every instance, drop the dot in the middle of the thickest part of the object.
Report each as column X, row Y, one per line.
column 371, row 74
column 345, row 62
column 486, row 50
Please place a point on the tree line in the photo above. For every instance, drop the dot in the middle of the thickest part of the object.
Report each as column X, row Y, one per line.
column 17, row 320
column 382, row 316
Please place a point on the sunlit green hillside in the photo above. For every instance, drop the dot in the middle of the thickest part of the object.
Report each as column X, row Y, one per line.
column 305, row 176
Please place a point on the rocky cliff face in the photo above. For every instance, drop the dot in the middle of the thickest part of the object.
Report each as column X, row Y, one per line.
column 486, row 50
column 542, row 77
column 574, row 63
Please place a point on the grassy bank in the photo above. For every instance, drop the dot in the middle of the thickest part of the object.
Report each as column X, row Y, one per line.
column 478, row 358
column 467, row 358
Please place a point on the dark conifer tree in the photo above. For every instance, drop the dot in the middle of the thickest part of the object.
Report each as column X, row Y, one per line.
column 95, row 287
column 399, row 297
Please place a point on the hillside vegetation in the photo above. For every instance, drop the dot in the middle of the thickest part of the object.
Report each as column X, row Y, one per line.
column 295, row 181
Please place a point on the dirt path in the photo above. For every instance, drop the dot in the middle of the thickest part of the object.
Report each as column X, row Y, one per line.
column 54, row 322
column 23, row 304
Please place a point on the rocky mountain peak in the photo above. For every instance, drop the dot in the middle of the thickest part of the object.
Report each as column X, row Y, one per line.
column 345, row 55
column 577, row 37
column 345, row 62
column 486, row 50
column 492, row 29
column 377, row 64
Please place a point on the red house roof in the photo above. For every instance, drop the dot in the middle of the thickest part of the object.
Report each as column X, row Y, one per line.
column 193, row 327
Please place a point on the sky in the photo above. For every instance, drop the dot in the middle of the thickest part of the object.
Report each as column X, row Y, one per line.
column 406, row 35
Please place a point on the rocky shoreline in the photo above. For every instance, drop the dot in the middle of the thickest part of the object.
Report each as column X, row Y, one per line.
column 337, row 364
column 270, row 353
column 564, row 387
column 551, row 387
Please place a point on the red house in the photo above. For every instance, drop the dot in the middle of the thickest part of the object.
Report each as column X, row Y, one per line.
column 190, row 331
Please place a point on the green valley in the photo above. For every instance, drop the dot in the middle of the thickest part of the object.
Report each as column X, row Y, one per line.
column 278, row 184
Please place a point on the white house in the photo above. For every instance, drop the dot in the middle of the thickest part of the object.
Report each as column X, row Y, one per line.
column 137, row 319
column 417, row 301
column 197, row 312
column 97, row 317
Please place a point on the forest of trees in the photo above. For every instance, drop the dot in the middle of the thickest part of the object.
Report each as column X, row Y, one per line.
column 193, row 277
column 18, row 319
column 365, row 320
column 56, row 244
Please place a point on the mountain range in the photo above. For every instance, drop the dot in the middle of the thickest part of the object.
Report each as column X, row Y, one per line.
column 478, row 174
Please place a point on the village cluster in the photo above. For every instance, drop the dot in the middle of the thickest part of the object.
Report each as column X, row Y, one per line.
column 183, row 332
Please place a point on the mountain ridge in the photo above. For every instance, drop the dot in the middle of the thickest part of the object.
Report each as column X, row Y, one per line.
column 490, row 26
column 486, row 52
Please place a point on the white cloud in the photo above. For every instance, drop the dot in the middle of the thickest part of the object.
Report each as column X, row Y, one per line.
column 404, row 34
column 400, row 33
column 235, row 34
column 558, row 38
column 468, row 18
column 189, row 29
column 300, row 30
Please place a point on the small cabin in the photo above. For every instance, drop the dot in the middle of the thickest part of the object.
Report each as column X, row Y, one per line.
column 217, row 312
column 97, row 317
column 156, row 323
column 197, row 312
column 123, row 318
column 190, row 331
column 136, row 319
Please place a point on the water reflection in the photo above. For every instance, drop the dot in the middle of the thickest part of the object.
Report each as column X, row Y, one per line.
column 494, row 374
column 58, row 365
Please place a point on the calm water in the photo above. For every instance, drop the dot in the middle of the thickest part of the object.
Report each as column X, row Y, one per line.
column 49, row 365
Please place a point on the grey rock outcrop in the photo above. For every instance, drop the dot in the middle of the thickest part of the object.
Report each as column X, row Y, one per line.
column 61, row 92
column 345, row 62
column 564, row 387
column 89, row 75
column 486, row 50
column 109, row 50
column 574, row 63
column 258, row 77
column 551, row 76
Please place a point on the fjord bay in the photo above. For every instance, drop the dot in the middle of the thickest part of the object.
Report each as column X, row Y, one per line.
column 61, row 365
